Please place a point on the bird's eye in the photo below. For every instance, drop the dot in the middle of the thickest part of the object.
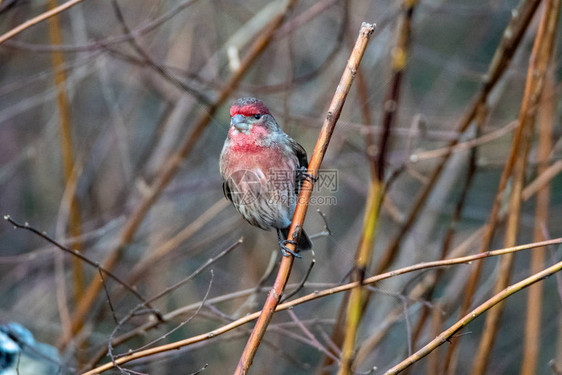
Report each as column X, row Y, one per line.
column 257, row 116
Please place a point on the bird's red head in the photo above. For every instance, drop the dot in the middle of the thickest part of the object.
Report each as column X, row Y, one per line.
column 248, row 107
column 251, row 124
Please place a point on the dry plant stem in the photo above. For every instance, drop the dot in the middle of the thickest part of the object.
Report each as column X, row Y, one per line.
column 434, row 361
column 478, row 141
column 37, row 19
column 74, row 223
column 302, row 205
column 60, row 280
column 538, row 65
column 171, row 166
column 448, row 240
column 498, row 298
column 312, row 340
column 556, row 362
column 534, row 299
column 320, row 294
column 505, row 51
column 542, row 179
column 358, row 299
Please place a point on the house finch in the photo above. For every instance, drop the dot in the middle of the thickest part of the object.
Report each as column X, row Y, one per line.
column 263, row 170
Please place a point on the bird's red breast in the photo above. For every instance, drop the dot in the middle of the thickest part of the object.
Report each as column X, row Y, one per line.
column 249, row 156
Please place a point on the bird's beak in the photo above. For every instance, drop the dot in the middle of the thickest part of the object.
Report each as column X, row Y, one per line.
column 239, row 122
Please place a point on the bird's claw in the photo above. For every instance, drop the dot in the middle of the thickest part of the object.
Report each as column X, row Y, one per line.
column 307, row 176
column 286, row 251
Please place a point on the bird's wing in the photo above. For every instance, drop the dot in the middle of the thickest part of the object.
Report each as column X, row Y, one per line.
column 301, row 154
column 302, row 167
column 226, row 190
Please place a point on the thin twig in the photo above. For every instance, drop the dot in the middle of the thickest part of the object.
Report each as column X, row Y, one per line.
column 313, row 340
column 462, row 146
column 303, row 281
column 100, row 272
column 35, row 20
column 209, row 262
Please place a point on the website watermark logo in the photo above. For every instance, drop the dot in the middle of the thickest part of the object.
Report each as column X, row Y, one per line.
column 279, row 186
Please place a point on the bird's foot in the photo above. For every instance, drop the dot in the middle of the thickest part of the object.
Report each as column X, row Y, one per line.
column 307, row 176
column 286, row 251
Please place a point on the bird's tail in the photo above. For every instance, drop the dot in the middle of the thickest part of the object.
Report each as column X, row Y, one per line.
column 303, row 242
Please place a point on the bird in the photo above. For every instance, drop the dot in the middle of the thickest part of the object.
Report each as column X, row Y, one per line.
column 21, row 354
column 263, row 169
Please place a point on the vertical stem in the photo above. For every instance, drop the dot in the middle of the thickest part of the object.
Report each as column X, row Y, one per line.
column 357, row 297
column 74, row 220
column 534, row 301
